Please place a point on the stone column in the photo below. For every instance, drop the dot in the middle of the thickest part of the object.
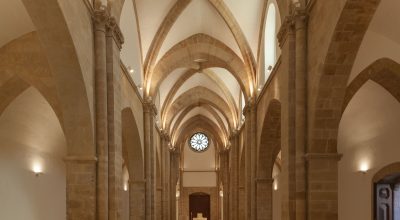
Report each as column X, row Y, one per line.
column 165, row 176
column 264, row 198
column 100, row 19
column 250, row 160
column 137, row 193
column 234, row 177
column 114, row 40
column 81, row 188
column 174, row 170
column 150, row 158
column 225, row 182
column 322, row 186
column 300, row 102
column 288, row 121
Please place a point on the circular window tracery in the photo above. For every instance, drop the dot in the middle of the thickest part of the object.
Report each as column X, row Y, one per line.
column 199, row 142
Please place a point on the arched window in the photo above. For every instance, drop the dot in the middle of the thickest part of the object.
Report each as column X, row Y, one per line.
column 271, row 50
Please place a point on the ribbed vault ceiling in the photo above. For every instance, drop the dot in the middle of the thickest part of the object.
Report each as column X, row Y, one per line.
column 199, row 62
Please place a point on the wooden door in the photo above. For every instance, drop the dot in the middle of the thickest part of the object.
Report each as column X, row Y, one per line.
column 199, row 203
column 384, row 202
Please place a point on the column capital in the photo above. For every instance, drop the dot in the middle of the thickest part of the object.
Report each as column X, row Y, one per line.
column 250, row 106
column 322, row 156
column 149, row 106
column 115, row 31
column 100, row 16
column 234, row 134
column 264, row 180
column 131, row 182
column 285, row 30
column 224, row 152
column 103, row 21
column 81, row 159
column 300, row 18
column 165, row 135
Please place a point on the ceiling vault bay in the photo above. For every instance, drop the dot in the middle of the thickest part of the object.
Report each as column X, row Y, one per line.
column 199, row 63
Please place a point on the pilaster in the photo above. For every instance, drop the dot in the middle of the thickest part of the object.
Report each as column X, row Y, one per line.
column 137, row 192
column 287, row 42
column 81, row 188
column 264, row 188
column 165, row 140
column 250, row 160
column 322, row 176
column 234, row 176
column 114, row 41
column 174, row 174
column 300, row 104
column 224, row 173
column 100, row 18
column 149, row 112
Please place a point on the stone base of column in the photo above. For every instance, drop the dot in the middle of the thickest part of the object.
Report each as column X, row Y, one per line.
column 81, row 188
column 137, row 192
column 264, row 198
column 322, row 177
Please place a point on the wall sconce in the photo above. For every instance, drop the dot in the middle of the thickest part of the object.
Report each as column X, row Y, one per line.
column 125, row 187
column 221, row 193
column 269, row 68
column 177, row 194
column 130, row 70
column 364, row 168
column 275, row 185
column 37, row 169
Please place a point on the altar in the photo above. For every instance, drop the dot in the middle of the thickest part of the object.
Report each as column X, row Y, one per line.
column 199, row 217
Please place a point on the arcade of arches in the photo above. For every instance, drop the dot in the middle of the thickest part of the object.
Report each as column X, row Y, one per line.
column 177, row 109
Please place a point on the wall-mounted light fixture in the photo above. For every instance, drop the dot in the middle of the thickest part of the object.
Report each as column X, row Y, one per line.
column 130, row 70
column 177, row 194
column 275, row 185
column 269, row 68
column 37, row 169
column 221, row 193
column 126, row 187
column 364, row 167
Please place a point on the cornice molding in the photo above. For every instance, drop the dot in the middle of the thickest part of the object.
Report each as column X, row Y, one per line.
column 80, row 159
column 323, row 156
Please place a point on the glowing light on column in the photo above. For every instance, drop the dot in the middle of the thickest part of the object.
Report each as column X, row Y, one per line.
column 275, row 185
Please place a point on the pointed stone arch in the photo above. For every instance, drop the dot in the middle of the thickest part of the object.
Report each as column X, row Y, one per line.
column 131, row 145
column 385, row 72
column 58, row 45
column 209, row 109
column 268, row 149
column 199, row 47
column 185, row 77
column 133, row 155
column 335, row 71
column 196, row 123
column 23, row 63
column 198, row 95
